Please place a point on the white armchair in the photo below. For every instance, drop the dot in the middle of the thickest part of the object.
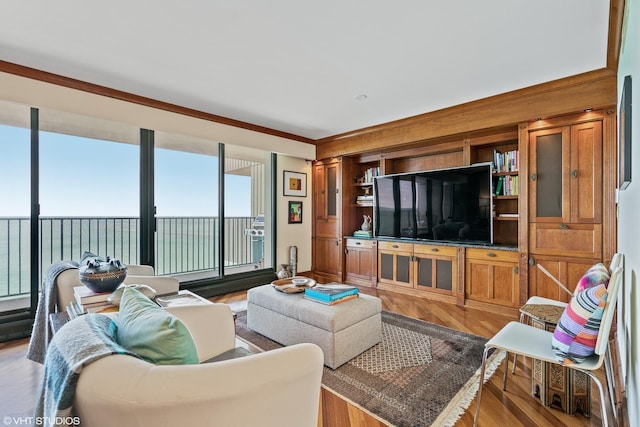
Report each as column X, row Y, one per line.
column 274, row 388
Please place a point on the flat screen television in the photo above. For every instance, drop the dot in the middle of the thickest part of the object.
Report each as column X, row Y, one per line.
column 451, row 205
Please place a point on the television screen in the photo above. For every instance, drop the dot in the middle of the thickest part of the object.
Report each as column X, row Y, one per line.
column 445, row 204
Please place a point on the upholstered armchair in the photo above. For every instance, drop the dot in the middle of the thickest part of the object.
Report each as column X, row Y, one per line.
column 275, row 388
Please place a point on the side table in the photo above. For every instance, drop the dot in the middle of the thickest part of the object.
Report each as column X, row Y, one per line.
column 555, row 385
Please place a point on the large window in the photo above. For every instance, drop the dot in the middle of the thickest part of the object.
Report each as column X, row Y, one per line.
column 72, row 183
column 89, row 191
column 186, row 200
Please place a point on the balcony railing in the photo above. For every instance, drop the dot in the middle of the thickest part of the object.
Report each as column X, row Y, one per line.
column 183, row 245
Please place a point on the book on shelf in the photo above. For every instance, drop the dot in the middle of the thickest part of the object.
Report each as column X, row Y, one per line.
column 330, row 293
column 84, row 295
column 362, row 233
column 506, row 162
column 334, row 302
column 365, row 197
column 183, row 297
column 508, row 215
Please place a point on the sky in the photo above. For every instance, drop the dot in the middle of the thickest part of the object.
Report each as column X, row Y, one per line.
column 88, row 177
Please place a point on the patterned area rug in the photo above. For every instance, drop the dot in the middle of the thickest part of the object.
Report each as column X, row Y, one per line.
column 421, row 374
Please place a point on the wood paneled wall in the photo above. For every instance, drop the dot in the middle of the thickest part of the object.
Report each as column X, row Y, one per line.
column 597, row 89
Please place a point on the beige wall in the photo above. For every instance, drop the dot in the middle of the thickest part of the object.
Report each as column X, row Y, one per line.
column 628, row 224
column 45, row 95
column 293, row 234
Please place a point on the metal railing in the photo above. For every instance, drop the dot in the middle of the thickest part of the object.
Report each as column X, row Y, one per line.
column 183, row 245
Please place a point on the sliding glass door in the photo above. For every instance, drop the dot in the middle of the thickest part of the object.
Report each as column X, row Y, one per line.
column 187, row 208
column 89, row 188
column 247, row 213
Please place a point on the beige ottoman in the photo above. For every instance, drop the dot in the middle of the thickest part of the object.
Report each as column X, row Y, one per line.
column 343, row 331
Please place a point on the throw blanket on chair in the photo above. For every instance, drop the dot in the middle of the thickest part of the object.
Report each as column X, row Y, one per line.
column 79, row 342
column 41, row 333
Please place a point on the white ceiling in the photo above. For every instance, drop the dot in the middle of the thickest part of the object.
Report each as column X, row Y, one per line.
column 297, row 65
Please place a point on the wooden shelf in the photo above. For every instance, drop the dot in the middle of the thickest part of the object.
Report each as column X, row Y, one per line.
column 506, row 218
column 505, row 197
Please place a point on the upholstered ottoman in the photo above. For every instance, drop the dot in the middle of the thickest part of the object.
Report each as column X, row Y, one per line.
column 343, row 331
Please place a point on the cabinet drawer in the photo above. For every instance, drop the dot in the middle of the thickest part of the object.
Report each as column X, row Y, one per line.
column 491, row 255
column 326, row 228
column 435, row 250
column 395, row 246
column 582, row 240
column 359, row 243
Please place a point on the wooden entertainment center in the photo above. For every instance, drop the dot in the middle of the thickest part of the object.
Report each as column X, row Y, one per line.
column 561, row 216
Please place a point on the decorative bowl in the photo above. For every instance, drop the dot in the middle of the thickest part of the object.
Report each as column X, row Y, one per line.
column 299, row 281
column 103, row 276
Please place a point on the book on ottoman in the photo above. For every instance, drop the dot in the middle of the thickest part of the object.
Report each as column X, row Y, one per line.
column 329, row 293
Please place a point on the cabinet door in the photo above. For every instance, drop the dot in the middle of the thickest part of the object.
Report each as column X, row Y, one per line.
column 586, row 173
column 567, row 271
column 394, row 264
column 435, row 268
column 359, row 261
column 549, row 156
column 328, row 257
column 492, row 277
column 319, row 192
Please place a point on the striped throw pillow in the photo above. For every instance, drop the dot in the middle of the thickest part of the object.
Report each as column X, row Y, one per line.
column 574, row 339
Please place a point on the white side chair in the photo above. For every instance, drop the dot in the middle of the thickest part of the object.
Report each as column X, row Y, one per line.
column 520, row 338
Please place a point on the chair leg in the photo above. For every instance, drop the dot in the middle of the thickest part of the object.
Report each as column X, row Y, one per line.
column 484, row 363
column 515, row 355
column 603, row 405
column 608, row 367
column 506, row 369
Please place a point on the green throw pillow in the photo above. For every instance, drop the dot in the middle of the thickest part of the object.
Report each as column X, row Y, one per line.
column 154, row 334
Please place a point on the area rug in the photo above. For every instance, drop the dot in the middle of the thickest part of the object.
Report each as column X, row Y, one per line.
column 421, row 374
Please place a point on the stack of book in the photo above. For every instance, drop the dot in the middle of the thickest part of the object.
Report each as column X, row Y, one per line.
column 506, row 162
column 88, row 301
column 331, row 294
column 364, row 200
column 362, row 233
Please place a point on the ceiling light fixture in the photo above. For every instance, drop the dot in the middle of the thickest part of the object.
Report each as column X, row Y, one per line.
column 588, row 110
column 360, row 97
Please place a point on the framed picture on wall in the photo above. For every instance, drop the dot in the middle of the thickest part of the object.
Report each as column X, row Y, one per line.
column 624, row 135
column 295, row 212
column 295, row 184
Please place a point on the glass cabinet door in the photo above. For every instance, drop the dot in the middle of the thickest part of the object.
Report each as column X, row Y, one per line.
column 549, row 153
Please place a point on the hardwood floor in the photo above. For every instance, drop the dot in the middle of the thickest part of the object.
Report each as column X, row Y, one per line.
column 19, row 377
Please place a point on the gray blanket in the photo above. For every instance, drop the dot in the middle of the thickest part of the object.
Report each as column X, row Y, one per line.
column 79, row 342
column 41, row 333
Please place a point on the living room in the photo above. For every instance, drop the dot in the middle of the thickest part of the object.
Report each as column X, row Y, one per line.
column 27, row 87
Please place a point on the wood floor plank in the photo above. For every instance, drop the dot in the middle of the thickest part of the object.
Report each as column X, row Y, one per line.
column 20, row 378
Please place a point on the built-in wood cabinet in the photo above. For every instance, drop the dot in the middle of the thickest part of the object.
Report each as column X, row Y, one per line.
column 492, row 276
column 560, row 213
column 566, row 175
column 327, row 226
column 423, row 268
column 360, row 261
column 566, row 270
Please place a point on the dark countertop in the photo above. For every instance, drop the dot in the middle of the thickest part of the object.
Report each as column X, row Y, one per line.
column 480, row 245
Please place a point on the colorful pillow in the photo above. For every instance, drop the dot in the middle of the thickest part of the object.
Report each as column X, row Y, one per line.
column 596, row 275
column 152, row 333
column 574, row 339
